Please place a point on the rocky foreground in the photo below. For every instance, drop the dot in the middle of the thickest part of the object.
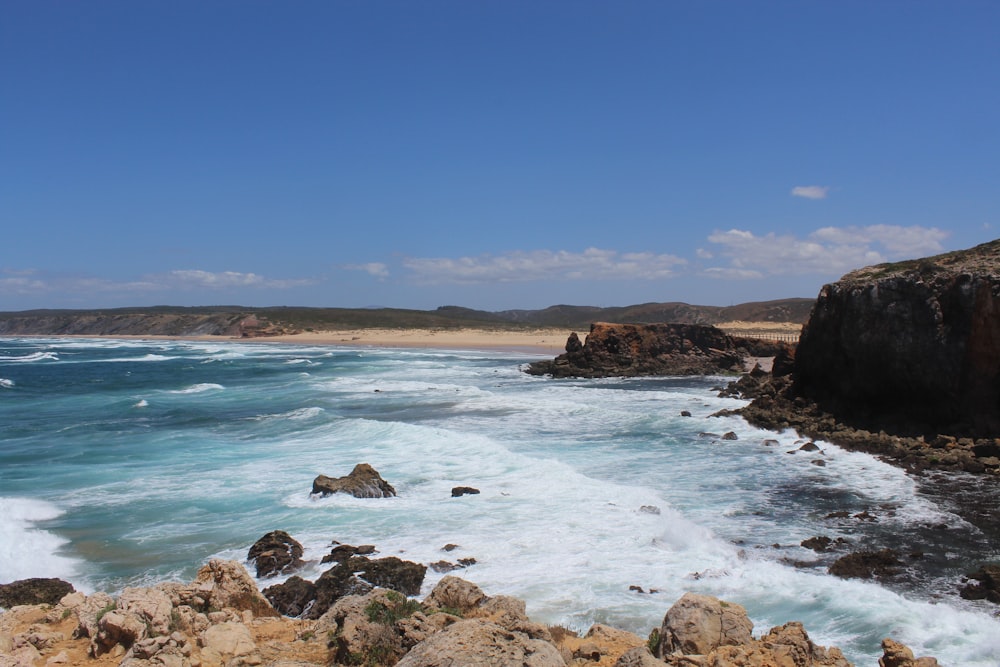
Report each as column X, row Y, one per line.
column 221, row 619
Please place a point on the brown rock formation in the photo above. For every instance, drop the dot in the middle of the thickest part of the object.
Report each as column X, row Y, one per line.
column 363, row 482
column 622, row 350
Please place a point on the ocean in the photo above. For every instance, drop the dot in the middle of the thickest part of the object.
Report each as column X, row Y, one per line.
column 126, row 463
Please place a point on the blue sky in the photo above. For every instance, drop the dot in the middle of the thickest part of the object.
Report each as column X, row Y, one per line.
column 491, row 154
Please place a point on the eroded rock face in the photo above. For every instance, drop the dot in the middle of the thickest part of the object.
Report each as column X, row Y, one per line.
column 363, row 482
column 617, row 350
column 912, row 346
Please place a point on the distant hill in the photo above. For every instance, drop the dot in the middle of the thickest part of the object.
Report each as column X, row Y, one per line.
column 251, row 322
column 783, row 310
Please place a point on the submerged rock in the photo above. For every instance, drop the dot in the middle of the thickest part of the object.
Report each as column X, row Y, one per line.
column 363, row 482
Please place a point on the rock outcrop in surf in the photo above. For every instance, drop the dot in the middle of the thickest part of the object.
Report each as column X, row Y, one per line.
column 627, row 350
column 362, row 482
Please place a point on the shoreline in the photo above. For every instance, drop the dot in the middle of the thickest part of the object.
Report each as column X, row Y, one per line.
column 537, row 341
column 542, row 340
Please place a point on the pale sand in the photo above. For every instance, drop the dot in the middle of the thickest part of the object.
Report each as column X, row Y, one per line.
column 541, row 341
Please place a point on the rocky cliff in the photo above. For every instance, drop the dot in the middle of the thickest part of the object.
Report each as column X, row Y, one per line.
column 912, row 347
column 623, row 350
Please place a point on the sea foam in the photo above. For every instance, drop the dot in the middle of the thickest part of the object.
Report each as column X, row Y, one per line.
column 27, row 551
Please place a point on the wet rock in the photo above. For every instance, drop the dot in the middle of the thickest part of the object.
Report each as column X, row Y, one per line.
column 34, row 591
column 335, row 583
column 867, row 565
column 275, row 553
column 343, row 552
column 730, row 436
column 987, row 586
column 363, row 482
column 463, row 490
column 293, row 597
column 391, row 572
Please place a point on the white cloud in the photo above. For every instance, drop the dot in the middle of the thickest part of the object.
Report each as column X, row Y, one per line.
column 830, row 250
column 198, row 279
column 524, row 266
column 375, row 269
column 810, row 191
column 30, row 282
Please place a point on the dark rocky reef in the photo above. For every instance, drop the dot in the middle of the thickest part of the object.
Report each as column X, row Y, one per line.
column 625, row 350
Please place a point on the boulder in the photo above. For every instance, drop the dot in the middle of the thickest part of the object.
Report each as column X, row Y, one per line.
column 293, row 597
column 895, row 654
column 117, row 627
column 474, row 643
column 698, row 624
column 227, row 644
column 376, row 628
column 638, row 657
column 363, row 482
column 343, row 552
column 789, row 643
column 223, row 584
column 337, row 582
column 88, row 611
column 34, row 591
column 987, row 586
column 275, row 553
column 455, row 593
column 152, row 606
column 400, row 575
column 459, row 491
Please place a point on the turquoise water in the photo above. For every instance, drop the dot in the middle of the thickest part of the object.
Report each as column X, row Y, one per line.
column 126, row 463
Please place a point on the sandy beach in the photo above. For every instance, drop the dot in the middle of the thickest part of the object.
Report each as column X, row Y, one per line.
column 547, row 341
column 541, row 341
